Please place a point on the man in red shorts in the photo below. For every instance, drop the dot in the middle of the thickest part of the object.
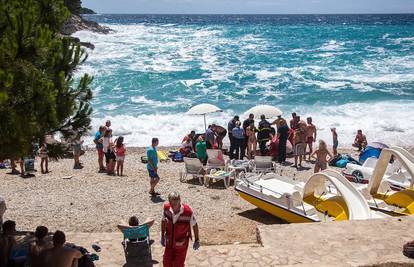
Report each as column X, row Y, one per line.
column 177, row 221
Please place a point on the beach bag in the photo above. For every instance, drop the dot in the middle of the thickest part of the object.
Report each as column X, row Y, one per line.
column 29, row 165
column 144, row 159
column 335, row 159
column 178, row 157
column 341, row 163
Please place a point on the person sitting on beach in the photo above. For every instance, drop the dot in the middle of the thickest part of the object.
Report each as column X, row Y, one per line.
column 152, row 166
column 44, row 160
column 334, row 141
column 99, row 147
column 187, row 144
column 360, row 141
column 220, row 132
column 108, row 148
column 120, row 151
column 251, row 141
column 133, row 222
column 201, row 150
column 321, row 155
column 310, row 135
column 61, row 255
column 39, row 246
column 7, row 242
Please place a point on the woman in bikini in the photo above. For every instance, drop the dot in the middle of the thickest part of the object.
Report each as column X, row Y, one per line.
column 251, row 141
column 321, row 157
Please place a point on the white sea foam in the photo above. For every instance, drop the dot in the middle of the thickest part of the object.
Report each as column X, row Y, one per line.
column 389, row 122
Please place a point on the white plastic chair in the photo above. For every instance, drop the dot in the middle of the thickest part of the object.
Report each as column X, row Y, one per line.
column 263, row 164
column 192, row 167
column 215, row 159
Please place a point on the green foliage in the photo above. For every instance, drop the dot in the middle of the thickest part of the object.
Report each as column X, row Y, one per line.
column 37, row 91
column 74, row 6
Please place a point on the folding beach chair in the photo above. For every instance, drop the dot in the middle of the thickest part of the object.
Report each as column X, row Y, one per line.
column 137, row 247
column 193, row 167
column 215, row 159
column 263, row 164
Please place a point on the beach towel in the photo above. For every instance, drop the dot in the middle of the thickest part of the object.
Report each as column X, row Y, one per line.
column 162, row 156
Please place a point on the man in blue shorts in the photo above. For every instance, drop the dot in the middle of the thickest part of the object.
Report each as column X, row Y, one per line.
column 152, row 166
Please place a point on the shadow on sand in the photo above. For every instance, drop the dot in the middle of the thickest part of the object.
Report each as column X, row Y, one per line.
column 261, row 216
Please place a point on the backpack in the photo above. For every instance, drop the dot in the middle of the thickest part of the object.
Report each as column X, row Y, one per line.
column 341, row 163
column 178, row 157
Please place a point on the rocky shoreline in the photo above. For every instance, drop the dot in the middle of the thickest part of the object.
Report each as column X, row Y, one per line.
column 77, row 23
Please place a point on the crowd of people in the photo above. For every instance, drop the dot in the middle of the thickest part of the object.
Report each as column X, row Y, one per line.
column 45, row 249
column 113, row 150
column 271, row 138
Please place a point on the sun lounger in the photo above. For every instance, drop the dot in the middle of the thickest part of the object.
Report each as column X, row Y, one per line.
column 215, row 159
column 263, row 164
column 218, row 175
column 137, row 247
column 192, row 167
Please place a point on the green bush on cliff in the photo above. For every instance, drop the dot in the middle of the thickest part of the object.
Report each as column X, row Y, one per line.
column 38, row 95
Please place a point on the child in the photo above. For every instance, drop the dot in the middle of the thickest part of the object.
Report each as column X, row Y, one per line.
column 321, row 154
column 251, row 141
column 120, row 155
column 77, row 150
column 334, row 141
column 44, row 160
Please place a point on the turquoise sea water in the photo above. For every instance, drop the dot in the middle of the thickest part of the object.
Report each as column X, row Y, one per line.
column 346, row 71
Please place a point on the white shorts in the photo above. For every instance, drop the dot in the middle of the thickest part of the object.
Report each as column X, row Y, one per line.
column 118, row 158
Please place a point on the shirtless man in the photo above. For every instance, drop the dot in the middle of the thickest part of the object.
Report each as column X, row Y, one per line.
column 310, row 135
column 7, row 242
column 294, row 121
column 39, row 246
column 59, row 255
column 360, row 141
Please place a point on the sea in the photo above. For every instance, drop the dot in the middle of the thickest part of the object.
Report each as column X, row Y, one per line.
column 345, row 71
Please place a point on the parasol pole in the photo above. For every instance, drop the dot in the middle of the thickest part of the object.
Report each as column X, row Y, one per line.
column 205, row 124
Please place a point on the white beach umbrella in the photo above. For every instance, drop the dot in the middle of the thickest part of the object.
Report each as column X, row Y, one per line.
column 203, row 109
column 268, row 111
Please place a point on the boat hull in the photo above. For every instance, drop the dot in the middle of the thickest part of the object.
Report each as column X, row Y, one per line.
column 278, row 211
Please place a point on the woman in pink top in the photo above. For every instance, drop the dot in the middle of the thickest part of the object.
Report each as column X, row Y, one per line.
column 120, row 155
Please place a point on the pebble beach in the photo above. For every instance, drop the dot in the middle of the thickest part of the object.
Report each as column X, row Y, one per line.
column 87, row 201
